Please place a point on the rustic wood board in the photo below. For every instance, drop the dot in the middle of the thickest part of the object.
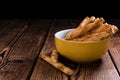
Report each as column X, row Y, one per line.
column 102, row 69
column 27, row 39
column 24, row 51
column 10, row 31
column 43, row 70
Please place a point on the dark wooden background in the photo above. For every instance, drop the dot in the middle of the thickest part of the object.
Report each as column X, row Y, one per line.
column 29, row 36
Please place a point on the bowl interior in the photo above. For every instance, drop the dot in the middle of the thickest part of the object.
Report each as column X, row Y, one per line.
column 61, row 34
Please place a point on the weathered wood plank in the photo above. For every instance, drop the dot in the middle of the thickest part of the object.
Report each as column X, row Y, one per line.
column 42, row 70
column 10, row 31
column 23, row 54
column 102, row 69
column 115, row 50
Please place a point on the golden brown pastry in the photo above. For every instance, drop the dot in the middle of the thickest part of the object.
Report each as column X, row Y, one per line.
column 92, row 29
column 95, row 36
column 86, row 25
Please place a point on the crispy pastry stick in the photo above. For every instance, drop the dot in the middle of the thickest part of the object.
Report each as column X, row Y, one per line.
column 114, row 29
column 96, row 23
column 104, row 27
column 96, row 36
column 76, row 32
column 54, row 56
column 57, row 65
column 85, row 21
column 101, row 28
column 85, row 26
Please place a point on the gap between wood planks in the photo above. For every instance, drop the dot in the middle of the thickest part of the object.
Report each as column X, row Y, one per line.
column 41, row 46
column 113, row 62
column 114, row 50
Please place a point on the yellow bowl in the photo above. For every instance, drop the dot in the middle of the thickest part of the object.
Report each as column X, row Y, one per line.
column 80, row 51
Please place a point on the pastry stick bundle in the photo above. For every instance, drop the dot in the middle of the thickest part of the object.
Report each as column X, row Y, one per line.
column 92, row 29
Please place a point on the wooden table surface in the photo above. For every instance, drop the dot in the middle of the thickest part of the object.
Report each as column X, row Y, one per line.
column 23, row 40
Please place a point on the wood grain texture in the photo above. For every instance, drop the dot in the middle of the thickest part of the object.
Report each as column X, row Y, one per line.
column 42, row 70
column 10, row 31
column 27, row 39
column 24, row 52
column 115, row 50
column 102, row 69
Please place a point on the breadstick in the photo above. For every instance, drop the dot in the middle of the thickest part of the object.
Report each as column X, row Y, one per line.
column 92, row 29
column 101, row 28
column 84, row 28
column 114, row 29
column 77, row 32
column 104, row 27
column 90, row 26
column 54, row 56
column 94, row 37
column 57, row 65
